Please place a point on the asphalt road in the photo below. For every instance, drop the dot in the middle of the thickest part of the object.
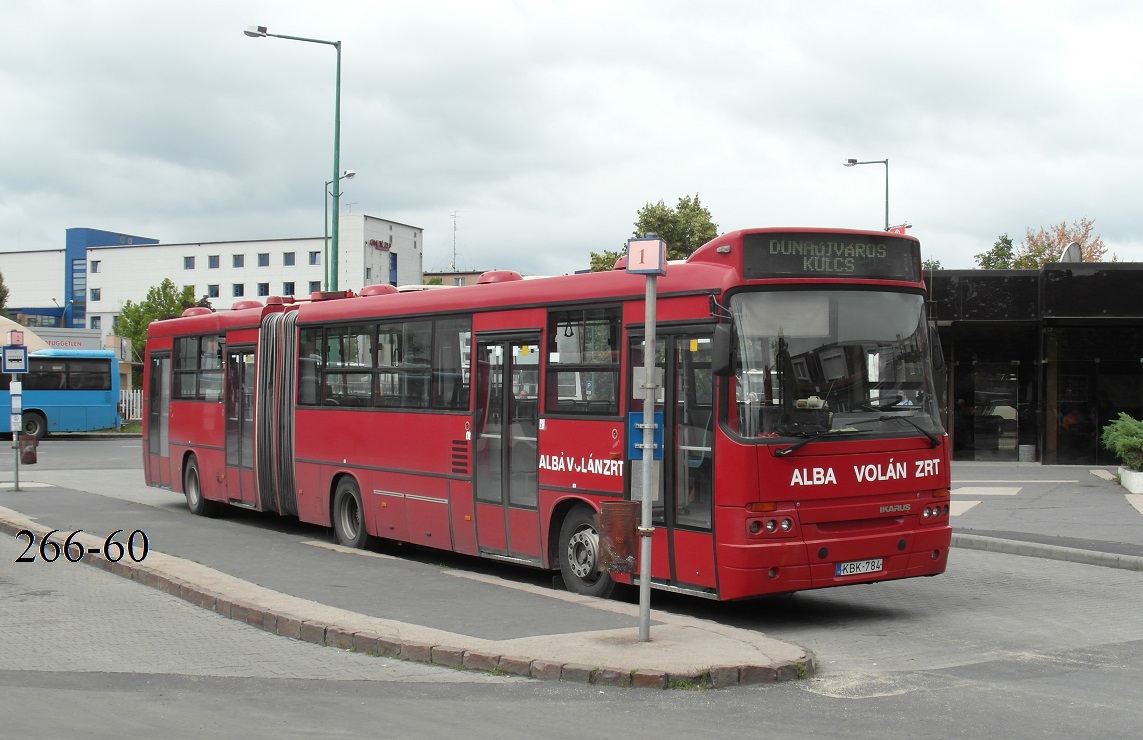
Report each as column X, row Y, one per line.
column 1000, row 644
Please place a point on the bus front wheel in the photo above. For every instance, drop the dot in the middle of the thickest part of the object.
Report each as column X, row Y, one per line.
column 192, row 488
column 35, row 425
column 579, row 555
column 348, row 515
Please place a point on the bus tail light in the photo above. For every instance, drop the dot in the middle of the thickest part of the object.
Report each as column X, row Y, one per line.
column 770, row 527
column 936, row 511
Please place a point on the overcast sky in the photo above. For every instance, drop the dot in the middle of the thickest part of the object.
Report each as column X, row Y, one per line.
column 545, row 126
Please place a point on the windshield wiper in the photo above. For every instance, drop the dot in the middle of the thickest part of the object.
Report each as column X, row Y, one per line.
column 934, row 440
column 783, row 451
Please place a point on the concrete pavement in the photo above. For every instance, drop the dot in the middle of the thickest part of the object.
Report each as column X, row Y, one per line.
column 288, row 579
column 1063, row 512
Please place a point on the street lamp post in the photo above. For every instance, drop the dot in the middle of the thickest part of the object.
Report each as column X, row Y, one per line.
column 63, row 312
column 854, row 162
column 347, row 175
column 260, row 32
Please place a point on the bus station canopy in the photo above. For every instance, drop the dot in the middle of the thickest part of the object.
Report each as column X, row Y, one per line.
column 31, row 340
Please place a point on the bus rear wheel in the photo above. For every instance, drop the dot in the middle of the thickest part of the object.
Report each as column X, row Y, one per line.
column 348, row 515
column 35, row 424
column 192, row 488
column 579, row 555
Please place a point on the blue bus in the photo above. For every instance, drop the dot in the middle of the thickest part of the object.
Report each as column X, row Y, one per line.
column 67, row 390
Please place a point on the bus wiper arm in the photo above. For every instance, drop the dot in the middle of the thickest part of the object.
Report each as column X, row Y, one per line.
column 934, row 440
column 783, row 451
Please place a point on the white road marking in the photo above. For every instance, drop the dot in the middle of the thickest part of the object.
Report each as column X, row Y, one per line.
column 956, row 508
column 348, row 550
column 1025, row 481
column 985, row 491
column 1136, row 500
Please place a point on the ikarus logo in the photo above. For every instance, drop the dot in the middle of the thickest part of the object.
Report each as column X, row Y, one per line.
column 897, row 509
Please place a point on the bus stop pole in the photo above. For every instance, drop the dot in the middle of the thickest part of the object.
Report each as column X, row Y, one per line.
column 646, row 530
column 16, row 408
column 15, row 362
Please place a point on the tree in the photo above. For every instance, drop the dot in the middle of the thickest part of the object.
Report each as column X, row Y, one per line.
column 685, row 228
column 1048, row 245
column 164, row 301
column 3, row 297
column 931, row 264
column 999, row 257
column 604, row 261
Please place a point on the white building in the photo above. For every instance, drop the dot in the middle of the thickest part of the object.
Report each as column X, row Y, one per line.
column 35, row 278
column 100, row 279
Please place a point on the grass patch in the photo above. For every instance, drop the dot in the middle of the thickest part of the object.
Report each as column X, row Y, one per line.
column 692, row 683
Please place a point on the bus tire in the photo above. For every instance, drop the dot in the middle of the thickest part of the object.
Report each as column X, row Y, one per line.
column 35, row 424
column 198, row 504
column 579, row 555
column 348, row 515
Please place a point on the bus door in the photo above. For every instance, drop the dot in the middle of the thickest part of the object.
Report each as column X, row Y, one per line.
column 158, row 420
column 683, row 545
column 507, row 460
column 240, row 425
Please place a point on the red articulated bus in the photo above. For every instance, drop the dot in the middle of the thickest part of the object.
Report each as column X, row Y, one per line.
column 803, row 446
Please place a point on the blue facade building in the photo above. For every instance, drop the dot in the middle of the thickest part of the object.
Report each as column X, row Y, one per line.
column 79, row 240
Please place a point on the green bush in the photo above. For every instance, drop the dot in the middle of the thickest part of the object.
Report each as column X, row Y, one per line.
column 1124, row 437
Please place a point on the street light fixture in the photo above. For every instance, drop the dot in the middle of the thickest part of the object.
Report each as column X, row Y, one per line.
column 63, row 312
column 260, row 32
column 854, row 162
column 347, row 175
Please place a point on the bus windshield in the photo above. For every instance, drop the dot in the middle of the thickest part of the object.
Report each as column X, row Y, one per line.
column 815, row 361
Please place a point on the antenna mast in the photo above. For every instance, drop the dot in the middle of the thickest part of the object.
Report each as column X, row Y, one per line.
column 453, row 268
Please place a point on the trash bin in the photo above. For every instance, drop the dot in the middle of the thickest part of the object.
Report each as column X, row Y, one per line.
column 28, row 445
column 617, row 540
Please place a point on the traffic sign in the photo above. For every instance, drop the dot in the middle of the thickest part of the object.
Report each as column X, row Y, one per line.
column 15, row 359
column 647, row 256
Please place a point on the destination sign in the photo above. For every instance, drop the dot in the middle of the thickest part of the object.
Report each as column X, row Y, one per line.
column 870, row 257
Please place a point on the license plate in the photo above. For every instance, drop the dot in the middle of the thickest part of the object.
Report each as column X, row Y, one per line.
column 858, row 567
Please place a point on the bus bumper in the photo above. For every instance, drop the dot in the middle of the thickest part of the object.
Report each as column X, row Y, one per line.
column 779, row 567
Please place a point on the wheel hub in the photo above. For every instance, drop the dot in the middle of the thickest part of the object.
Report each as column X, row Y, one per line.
column 582, row 553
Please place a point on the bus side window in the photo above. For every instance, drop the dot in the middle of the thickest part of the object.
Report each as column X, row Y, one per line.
column 583, row 361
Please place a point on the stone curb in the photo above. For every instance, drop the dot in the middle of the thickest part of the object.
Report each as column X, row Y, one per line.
column 371, row 643
column 1050, row 552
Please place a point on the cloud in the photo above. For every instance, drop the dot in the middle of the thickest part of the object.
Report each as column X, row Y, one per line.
column 546, row 126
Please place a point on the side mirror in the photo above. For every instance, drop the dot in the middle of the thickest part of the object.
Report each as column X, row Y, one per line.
column 935, row 349
column 721, row 363
column 940, row 369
